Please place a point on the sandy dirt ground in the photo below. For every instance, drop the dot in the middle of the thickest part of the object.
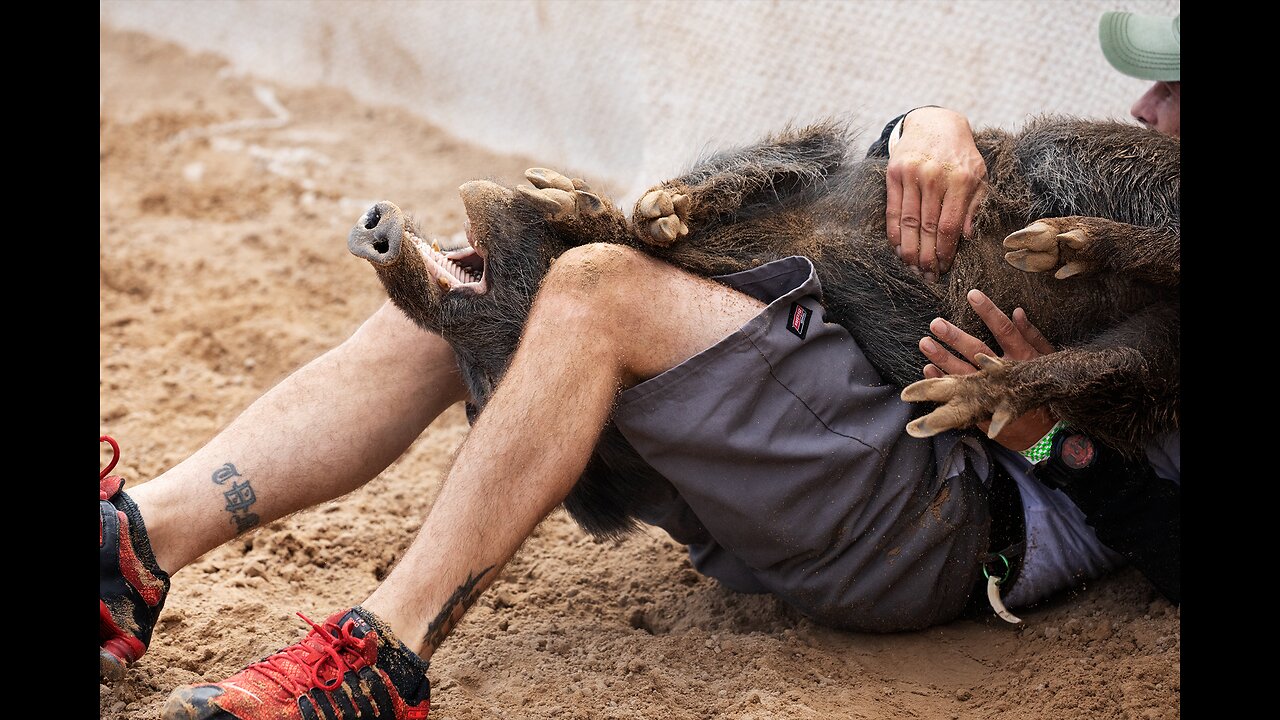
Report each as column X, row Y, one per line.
column 223, row 266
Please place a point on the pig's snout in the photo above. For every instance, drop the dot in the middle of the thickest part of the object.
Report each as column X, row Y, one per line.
column 378, row 234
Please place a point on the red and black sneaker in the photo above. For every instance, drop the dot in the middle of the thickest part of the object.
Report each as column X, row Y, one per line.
column 351, row 666
column 132, row 587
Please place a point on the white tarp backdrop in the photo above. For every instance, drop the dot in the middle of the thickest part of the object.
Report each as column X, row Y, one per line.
column 632, row 91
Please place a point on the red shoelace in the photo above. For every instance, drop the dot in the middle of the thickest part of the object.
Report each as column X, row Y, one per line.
column 115, row 455
column 304, row 661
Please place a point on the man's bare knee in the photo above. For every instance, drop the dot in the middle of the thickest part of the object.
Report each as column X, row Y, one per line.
column 596, row 268
column 650, row 315
column 610, row 278
column 603, row 288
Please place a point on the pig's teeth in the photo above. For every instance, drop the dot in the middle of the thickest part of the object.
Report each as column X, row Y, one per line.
column 464, row 273
column 452, row 267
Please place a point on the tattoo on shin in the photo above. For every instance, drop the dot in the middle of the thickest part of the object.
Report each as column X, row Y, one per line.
column 454, row 607
column 239, row 497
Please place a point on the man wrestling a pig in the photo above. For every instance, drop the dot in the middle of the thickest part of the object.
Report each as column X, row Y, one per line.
column 653, row 351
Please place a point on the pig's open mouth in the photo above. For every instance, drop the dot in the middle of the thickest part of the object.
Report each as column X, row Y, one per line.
column 460, row 269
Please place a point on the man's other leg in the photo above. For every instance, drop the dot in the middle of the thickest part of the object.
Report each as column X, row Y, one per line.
column 606, row 318
column 325, row 430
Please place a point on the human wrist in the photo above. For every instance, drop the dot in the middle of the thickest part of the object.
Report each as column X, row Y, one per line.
column 899, row 127
column 1028, row 429
column 1040, row 449
column 1092, row 474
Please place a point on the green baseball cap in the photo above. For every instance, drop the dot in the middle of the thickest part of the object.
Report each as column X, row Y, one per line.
column 1141, row 46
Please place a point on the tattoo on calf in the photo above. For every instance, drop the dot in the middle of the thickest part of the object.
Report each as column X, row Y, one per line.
column 454, row 607
column 239, row 497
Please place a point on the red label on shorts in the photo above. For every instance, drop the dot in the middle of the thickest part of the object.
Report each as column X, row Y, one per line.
column 798, row 320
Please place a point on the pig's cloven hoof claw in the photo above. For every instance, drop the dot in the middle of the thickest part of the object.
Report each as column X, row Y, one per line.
column 561, row 198
column 664, row 214
column 546, row 178
column 555, row 203
column 1044, row 245
column 966, row 400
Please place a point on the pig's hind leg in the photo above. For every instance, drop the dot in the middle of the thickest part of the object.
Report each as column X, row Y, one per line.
column 1079, row 245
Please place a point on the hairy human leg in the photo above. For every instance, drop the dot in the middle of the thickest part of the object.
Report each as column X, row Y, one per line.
column 324, row 431
column 606, row 318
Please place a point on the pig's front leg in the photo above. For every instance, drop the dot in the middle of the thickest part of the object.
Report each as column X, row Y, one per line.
column 1122, row 387
column 574, row 210
column 736, row 185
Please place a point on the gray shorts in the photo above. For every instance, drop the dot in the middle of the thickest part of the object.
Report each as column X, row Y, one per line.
column 794, row 473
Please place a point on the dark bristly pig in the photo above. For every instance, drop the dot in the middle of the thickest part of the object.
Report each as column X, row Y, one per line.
column 1080, row 227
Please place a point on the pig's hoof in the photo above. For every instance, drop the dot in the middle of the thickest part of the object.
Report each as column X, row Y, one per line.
column 559, row 197
column 965, row 400
column 1048, row 244
column 661, row 215
column 547, row 178
column 956, row 411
